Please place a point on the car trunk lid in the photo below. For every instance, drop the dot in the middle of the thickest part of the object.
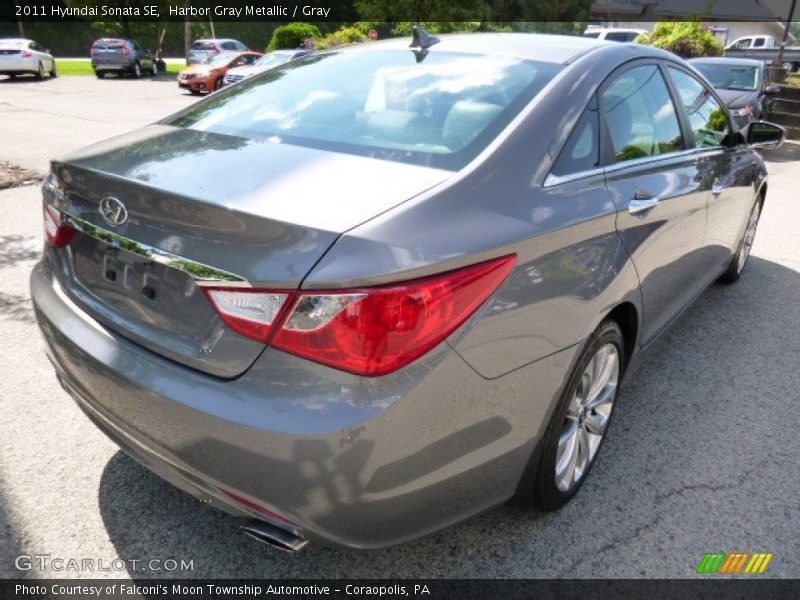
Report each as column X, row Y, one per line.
column 202, row 206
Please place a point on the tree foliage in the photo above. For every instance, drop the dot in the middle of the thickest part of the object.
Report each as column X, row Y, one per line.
column 292, row 35
column 686, row 39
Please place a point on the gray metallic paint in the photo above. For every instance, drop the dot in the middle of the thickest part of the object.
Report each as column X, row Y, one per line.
column 368, row 462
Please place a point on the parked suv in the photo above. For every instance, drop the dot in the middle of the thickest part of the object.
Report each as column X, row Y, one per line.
column 204, row 49
column 111, row 55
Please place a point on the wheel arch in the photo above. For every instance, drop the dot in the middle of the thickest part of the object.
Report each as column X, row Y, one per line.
column 626, row 316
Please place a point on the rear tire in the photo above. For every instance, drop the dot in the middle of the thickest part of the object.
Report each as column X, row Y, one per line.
column 40, row 72
column 53, row 71
column 100, row 74
column 734, row 271
column 218, row 84
column 137, row 70
column 154, row 68
column 580, row 421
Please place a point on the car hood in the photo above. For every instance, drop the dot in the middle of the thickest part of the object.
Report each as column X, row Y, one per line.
column 737, row 98
column 303, row 186
column 197, row 70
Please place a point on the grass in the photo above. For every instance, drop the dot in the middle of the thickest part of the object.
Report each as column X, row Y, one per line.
column 83, row 66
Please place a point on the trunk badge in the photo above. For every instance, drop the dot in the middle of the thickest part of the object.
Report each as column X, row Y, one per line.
column 113, row 211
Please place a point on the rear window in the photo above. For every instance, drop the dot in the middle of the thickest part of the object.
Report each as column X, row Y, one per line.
column 108, row 45
column 440, row 112
column 203, row 46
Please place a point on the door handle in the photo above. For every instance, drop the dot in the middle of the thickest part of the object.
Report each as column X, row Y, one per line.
column 717, row 188
column 639, row 205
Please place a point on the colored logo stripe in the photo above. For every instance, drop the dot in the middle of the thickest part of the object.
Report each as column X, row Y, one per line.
column 711, row 562
column 719, row 562
column 759, row 562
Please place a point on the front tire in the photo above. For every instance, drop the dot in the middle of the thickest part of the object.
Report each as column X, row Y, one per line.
column 581, row 419
column 137, row 70
column 739, row 260
column 154, row 68
column 53, row 71
column 100, row 74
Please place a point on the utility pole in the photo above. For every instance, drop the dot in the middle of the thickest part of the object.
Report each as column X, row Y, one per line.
column 19, row 22
column 786, row 28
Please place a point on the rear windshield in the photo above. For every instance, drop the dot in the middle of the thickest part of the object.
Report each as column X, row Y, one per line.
column 441, row 111
column 108, row 45
column 217, row 60
column 203, row 46
column 729, row 77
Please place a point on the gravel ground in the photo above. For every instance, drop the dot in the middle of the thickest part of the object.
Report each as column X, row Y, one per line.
column 702, row 455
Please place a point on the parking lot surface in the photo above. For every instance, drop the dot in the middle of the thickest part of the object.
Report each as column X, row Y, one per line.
column 702, row 456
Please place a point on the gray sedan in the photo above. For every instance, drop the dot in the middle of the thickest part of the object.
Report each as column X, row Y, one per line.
column 741, row 84
column 357, row 309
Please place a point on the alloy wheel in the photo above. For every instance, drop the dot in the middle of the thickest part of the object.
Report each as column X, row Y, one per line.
column 587, row 417
column 749, row 237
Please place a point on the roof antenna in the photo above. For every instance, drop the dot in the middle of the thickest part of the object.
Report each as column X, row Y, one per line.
column 421, row 42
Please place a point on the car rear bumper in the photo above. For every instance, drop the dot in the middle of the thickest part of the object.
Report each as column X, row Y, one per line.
column 342, row 459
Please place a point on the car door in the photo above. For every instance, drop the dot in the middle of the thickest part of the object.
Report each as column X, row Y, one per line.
column 657, row 189
column 726, row 167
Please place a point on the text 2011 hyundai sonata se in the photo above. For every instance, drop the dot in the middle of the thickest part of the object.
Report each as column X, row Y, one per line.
column 373, row 292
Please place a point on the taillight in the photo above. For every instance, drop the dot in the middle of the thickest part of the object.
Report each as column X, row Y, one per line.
column 369, row 331
column 27, row 53
column 56, row 233
column 249, row 312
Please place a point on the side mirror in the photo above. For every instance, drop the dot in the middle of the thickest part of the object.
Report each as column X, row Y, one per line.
column 771, row 90
column 760, row 134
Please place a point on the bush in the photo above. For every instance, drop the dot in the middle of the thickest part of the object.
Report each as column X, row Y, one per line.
column 342, row 37
column 687, row 40
column 292, row 35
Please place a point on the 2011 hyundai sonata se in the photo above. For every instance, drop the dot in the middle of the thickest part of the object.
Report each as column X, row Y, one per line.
column 372, row 292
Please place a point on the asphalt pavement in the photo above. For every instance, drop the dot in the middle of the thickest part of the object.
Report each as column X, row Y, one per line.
column 702, row 455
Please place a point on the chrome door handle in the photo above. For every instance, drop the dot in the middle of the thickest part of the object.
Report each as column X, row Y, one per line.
column 638, row 205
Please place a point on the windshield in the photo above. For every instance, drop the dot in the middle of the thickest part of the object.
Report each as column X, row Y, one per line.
column 205, row 45
column 730, row 77
column 273, row 59
column 441, row 111
column 217, row 60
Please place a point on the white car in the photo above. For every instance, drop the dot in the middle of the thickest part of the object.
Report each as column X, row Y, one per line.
column 614, row 35
column 19, row 56
column 266, row 62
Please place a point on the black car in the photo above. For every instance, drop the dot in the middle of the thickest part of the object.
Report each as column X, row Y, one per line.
column 123, row 57
column 741, row 84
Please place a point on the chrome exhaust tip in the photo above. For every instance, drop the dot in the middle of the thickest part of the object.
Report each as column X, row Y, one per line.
column 278, row 538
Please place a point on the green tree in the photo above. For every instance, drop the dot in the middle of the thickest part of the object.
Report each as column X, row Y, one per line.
column 686, row 39
column 292, row 35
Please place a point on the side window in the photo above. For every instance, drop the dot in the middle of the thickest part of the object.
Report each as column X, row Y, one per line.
column 640, row 116
column 707, row 118
column 581, row 152
column 228, row 46
column 745, row 43
column 758, row 42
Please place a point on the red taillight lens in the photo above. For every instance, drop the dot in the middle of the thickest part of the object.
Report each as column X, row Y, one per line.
column 55, row 232
column 27, row 53
column 367, row 331
column 249, row 312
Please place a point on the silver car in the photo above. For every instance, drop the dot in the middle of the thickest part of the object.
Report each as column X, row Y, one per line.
column 19, row 56
column 266, row 62
column 202, row 50
column 375, row 291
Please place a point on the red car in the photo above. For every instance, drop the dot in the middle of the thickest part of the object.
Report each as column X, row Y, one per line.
column 208, row 76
